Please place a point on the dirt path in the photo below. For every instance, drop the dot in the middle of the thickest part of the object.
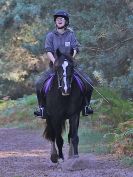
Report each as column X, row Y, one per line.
column 24, row 153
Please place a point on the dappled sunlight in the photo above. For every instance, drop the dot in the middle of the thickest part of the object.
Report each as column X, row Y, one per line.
column 32, row 153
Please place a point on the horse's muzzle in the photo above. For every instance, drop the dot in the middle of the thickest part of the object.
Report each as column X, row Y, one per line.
column 65, row 94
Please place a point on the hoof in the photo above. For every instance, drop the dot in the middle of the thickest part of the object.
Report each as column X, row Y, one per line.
column 69, row 157
column 75, row 156
column 61, row 160
column 54, row 158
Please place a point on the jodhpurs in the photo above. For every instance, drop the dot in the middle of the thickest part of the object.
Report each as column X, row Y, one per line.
column 39, row 85
column 88, row 83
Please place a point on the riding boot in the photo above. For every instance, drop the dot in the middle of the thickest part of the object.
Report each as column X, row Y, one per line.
column 87, row 109
column 41, row 111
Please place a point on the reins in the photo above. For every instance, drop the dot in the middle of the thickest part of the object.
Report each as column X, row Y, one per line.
column 91, row 86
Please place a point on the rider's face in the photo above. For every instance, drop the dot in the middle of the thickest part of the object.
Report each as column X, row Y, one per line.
column 60, row 22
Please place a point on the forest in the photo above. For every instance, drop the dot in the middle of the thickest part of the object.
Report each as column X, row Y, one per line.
column 104, row 29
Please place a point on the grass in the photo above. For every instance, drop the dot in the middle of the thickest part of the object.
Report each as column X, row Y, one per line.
column 90, row 139
column 19, row 113
column 126, row 160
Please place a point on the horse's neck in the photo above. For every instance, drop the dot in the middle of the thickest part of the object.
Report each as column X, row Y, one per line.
column 55, row 81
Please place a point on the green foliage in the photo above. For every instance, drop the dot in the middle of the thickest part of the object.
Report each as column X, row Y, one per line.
column 126, row 160
column 124, row 134
column 27, row 100
column 106, row 45
column 129, row 132
column 117, row 110
column 89, row 136
column 109, row 137
column 92, row 140
column 19, row 113
column 123, row 144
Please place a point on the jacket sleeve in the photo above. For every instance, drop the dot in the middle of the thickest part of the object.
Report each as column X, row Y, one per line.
column 74, row 42
column 49, row 43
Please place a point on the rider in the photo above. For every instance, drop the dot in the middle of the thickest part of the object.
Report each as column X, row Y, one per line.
column 61, row 37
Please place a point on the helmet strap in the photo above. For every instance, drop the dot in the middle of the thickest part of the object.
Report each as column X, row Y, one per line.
column 61, row 27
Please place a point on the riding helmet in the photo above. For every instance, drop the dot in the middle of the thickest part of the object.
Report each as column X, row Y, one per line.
column 62, row 13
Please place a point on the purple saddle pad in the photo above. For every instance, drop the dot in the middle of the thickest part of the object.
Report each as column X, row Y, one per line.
column 49, row 81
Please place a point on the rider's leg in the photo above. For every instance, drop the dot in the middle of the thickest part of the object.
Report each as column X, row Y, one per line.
column 89, row 89
column 41, row 112
column 87, row 109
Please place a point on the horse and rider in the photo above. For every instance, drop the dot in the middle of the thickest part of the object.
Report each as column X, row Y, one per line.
column 62, row 38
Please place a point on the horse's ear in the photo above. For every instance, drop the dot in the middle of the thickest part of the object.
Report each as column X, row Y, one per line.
column 58, row 53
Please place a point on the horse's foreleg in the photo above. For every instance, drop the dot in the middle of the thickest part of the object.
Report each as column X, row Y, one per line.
column 54, row 155
column 71, row 150
column 74, row 140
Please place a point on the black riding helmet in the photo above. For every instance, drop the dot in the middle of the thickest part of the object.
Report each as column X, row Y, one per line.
column 62, row 13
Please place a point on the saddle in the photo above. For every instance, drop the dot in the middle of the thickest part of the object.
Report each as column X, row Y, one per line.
column 48, row 83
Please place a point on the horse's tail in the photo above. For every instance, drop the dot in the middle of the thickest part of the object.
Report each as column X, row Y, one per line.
column 51, row 131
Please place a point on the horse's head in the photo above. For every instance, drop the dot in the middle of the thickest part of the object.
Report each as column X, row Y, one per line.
column 64, row 68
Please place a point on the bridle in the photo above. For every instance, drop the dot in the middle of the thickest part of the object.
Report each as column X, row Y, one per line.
column 64, row 75
column 60, row 79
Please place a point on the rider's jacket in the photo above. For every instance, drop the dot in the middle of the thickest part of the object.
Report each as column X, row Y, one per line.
column 65, row 41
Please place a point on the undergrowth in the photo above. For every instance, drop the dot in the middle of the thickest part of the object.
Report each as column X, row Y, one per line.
column 128, row 161
column 19, row 113
column 108, row 130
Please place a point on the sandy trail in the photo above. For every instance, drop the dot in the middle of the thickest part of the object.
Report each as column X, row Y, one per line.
column 24, row 153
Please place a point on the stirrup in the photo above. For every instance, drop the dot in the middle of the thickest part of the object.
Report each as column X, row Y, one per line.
column 40, row 113
column 87, row 110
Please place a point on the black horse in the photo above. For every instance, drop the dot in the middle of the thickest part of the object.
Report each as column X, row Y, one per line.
column 64, row 100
